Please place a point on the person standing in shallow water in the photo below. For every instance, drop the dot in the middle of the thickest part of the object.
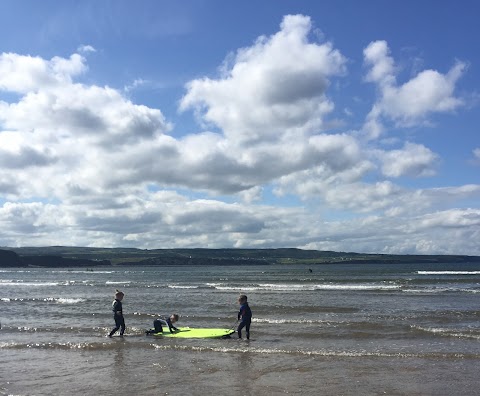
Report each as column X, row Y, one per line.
column 245, row 315
column 118, row 314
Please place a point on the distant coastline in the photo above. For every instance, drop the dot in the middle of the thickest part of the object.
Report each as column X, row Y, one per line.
column 64, row 256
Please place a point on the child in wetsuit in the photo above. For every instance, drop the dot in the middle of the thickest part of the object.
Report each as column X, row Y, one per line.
column 160, row 322
column 118, row 314
column 245, row 315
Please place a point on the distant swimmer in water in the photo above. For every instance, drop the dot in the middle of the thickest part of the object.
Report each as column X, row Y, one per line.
column 310, row 270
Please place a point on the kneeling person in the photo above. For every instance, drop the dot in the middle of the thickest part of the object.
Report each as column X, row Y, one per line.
column 160, row 322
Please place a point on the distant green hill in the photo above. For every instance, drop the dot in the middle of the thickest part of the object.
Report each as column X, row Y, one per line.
column 85, row 256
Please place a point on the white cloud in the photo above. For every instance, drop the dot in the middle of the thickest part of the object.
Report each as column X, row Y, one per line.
column 275, row 88
column 413, row 160
column 414, row 101
column 252, row 195
column 269, row 100
column 455, row 218
column 429, row 234
column 168, row 219
column 86, row 49
column 27, row 74
column 377, row 55
column 138, row 82
column 476, row 155
column 428, row 92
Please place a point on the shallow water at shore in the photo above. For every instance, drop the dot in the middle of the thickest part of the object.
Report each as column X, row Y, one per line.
column 341, row 329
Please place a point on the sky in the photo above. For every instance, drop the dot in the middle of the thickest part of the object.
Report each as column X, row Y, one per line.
column 331, row 125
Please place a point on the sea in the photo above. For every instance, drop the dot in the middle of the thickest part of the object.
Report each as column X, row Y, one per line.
column 332, row 329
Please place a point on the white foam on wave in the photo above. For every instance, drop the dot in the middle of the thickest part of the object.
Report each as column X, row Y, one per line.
column 287, row 287
column 424, row 291
column 116, row 282
column 58, row 345
column 448, row 272
column 440, row 290
column 318, row 352
column 286, row 321
column 306, row 287
column 34, row 284
column 58, row 300
column 358, row 287
column 449, row 332
column 69, row 300
column 238, row 288
column 182, row 287
column 5, row 345
column 80, row 272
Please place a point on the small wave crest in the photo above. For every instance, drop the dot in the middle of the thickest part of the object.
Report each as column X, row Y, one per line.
column 287, row 321
column 448, row 272
column 306, row 287
column 58, row 300
column 439, row 290
column 29, row 284
column 443, row 332
column 59, row 345
column 182, row 287
column 81, row 272
column 326, row 353
column 69, row 300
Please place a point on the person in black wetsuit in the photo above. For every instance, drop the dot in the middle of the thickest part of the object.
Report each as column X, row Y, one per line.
column 245, row 315
column 160, row 322
column 118, row 314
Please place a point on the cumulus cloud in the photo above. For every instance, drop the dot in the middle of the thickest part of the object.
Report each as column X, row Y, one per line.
column 413, row 160
column 275, row 88
column 377, row 56
column 410, row 103
column 26, row 74
column 455, row 218
column 268, row 107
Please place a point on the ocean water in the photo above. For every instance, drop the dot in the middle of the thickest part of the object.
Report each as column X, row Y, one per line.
column 338, row 330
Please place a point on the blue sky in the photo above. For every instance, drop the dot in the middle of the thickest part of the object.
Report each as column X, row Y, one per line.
column 330, row 125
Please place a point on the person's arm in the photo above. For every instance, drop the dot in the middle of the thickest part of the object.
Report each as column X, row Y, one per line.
column 117, row 308
column 240, row 313
column 171, row 327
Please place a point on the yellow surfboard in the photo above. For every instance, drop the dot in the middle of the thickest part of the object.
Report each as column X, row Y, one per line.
column 189, row 332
